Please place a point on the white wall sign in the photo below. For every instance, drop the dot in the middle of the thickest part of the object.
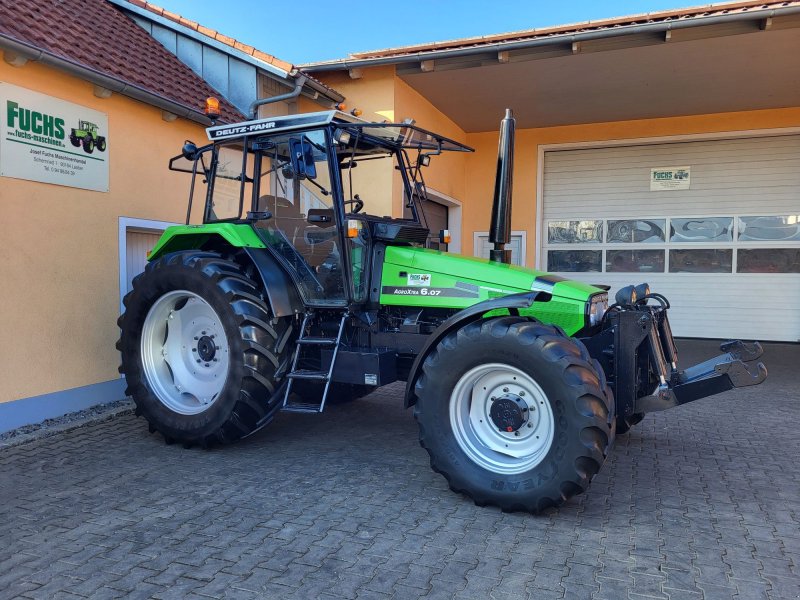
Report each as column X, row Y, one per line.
column 53, row 141
column 670, row 178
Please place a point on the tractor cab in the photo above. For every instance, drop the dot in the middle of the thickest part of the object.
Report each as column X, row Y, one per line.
column 307, row 186
column 87, row 126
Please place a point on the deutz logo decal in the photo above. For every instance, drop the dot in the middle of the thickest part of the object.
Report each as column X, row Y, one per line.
column 218, row 133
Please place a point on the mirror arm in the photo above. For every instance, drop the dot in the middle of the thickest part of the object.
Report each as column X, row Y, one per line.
column 322, row 189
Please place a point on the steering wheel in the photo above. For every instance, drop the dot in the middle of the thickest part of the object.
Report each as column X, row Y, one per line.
column 357, row 203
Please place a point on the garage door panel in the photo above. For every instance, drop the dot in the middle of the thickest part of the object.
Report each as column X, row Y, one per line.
column 729, row 178
column 701, row 303
column 734, row 177
column 741, row 150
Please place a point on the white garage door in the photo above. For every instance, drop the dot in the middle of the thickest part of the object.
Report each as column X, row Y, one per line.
column 139, row 244
column 723, row 244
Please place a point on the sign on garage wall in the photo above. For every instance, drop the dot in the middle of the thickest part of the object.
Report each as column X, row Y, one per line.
column 670, row 178
column 50, row 140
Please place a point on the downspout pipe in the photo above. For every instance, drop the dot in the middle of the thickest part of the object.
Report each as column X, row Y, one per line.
column 550, row 40
column 298, row 87
column 96, row 77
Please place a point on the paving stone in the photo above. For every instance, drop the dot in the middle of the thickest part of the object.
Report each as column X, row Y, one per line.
column 691, row 503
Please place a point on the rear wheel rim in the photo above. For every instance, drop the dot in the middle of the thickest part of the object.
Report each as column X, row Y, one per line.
column 477, row 433
column 185, row 352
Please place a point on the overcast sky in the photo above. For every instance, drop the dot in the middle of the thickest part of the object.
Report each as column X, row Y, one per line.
column 303, row 31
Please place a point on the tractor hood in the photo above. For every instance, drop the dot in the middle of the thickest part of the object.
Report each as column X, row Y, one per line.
column 410, row 270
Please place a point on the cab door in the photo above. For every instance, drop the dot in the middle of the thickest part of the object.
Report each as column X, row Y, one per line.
column 295, row 187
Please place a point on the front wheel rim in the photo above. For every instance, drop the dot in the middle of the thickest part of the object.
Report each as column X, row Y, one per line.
column 477, row 434
column 185, row 352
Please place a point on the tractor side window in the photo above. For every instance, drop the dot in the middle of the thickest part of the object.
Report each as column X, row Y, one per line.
column 199, row 168
column 302, row 229
column 232, row 187
column 367, row 180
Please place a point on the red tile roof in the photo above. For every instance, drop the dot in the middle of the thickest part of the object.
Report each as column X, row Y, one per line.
column 94, row 34
column 675, row 15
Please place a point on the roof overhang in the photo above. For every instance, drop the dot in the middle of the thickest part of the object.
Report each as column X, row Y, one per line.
column 722, row 63
column 103, row 80
column 311, row 88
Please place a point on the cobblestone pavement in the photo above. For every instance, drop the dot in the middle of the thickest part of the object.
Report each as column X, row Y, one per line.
column 699, row 502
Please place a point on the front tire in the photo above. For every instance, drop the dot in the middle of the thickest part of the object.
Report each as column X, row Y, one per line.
column 514, row 413
column 200, row 350
column 88, row 144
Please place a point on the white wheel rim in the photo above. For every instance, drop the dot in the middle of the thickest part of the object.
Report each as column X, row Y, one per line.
column 185, row 352
column 502, row 452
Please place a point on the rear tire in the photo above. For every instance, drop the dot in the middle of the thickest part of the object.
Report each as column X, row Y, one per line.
column 211, row 377
column 564, row 419
column 101, row 144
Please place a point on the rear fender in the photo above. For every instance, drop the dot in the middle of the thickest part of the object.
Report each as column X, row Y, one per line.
column 279, row 287
column 512, row 302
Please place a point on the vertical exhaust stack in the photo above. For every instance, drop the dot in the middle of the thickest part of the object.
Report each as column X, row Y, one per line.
column 500, row 231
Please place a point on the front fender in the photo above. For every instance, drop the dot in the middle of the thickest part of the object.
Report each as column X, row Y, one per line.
column 512, row 302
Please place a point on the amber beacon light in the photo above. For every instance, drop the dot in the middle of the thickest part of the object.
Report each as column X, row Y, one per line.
column 212, row 107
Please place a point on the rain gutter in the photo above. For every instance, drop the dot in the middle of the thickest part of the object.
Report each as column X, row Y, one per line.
column 96, row 77
column 550, row 40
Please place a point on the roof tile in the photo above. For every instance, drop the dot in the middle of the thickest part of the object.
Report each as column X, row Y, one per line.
column 681, row 14
column 94, row 34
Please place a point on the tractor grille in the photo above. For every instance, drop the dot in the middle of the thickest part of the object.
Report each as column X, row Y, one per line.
column 396, row 232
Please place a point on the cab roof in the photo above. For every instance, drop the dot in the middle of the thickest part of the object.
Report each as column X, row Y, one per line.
column 395, row 135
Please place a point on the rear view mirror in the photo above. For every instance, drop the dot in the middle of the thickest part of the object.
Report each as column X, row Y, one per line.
column 189, row 150
column 302, row 157
column 185, row 161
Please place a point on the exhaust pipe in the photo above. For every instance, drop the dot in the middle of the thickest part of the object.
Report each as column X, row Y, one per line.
column 500, row 231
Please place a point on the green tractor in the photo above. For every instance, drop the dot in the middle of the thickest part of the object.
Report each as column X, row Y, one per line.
column 86, row 135
column 292, row 293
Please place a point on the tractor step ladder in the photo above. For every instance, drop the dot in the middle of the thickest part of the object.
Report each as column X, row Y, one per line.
column 309, row 375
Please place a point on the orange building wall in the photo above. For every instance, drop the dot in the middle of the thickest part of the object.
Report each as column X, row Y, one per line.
column 381, row 95
column 59, row 263
column 470, row 178
column 480, row 167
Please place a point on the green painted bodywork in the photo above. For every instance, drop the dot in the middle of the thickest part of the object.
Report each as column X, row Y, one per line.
column 429, row 278
column 421, row 277
column 187, row 237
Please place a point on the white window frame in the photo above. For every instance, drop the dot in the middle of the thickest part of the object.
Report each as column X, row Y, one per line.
column 125, row 225
column 539, row 226
column 476, row 243
column 453, row 218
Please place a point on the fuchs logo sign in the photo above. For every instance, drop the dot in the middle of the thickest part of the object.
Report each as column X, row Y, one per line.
column 670, row 178
column 50, row 140
column 31, row 125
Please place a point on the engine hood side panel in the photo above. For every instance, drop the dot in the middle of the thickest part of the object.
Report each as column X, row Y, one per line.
column 429, row 278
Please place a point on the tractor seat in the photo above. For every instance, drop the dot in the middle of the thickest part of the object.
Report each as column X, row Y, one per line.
column 315, row 243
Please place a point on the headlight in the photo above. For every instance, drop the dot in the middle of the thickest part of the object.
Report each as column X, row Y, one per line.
column 597, row 308
column 626, row 296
